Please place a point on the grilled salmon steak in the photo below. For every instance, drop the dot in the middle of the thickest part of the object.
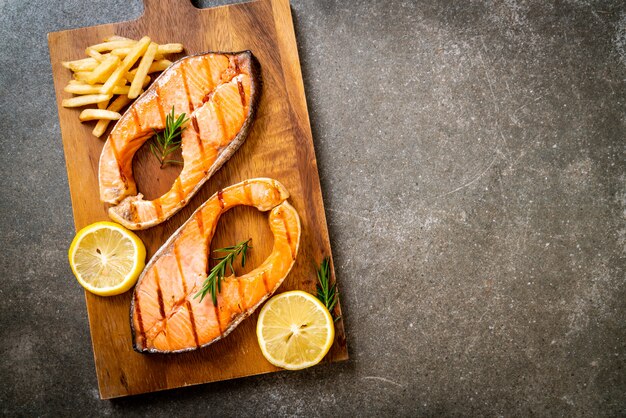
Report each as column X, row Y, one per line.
column 219, row 93
column 166, row 317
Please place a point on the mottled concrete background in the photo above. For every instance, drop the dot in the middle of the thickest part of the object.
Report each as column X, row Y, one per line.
column 472, row 157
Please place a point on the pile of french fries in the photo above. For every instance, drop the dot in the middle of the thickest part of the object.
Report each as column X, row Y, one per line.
column 117, row 67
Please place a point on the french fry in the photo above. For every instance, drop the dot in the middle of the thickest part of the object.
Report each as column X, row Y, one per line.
column 119, row 103
column 93, row 114
column 120, row 52
column 82, row 88
column 170, row 48
column 160, row 65
column 67, row 64
column 104, row 70
column 82, row 83
column 81, row 75
column 94, row 54
column 156, row 66
column 79, row 101
column 142, row 71
column 130, row 77
column 117, row 38
column 86, row 64
column 162, row 50
column 100, row 127
column 103, row 105
column 109, row 46
column 137, row 51
column 115, row 106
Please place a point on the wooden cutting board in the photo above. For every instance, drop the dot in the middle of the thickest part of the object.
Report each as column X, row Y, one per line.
column 280, row 145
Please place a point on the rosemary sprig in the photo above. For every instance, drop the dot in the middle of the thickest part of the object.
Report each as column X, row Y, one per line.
column 213, row 283
column 327, row 292
column 166, row 142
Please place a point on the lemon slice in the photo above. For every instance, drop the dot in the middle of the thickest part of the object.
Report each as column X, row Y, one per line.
column 106, row 258
column 295, row 330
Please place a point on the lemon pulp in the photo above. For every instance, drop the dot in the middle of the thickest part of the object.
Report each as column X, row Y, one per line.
column 295, row 330
column 106, row 258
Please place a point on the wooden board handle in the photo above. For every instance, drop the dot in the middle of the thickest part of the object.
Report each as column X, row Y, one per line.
column 165, row 7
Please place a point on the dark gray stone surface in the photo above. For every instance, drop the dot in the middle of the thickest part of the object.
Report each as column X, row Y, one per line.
column 473, row 161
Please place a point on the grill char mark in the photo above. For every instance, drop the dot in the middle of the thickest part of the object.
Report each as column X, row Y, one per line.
column 158, row 208
column 200, row 222
column 183, row 75
column 242, row 93
column 180, row 268
column 159, row 293
column 193, row 324
column 159, row 105
column 142, row 332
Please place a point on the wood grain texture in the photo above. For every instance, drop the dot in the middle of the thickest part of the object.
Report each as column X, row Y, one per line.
column 280, row 145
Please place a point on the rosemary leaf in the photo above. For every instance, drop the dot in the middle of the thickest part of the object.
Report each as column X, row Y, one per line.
column 168, row 141
column 213, row 283
column 327, row 293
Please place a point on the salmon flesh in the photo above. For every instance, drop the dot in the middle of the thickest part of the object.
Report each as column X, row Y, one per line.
column 165, row 315
column 219, row 93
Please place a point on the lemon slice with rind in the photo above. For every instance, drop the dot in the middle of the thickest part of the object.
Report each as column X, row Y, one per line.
column 106, row 258
column 295, row 330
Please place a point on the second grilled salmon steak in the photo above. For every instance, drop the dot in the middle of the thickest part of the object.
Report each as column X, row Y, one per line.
column 165, row 315
column 219, row 93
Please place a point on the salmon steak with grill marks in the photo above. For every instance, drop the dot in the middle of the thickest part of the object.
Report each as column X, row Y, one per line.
column 219, row 93
column 167, row 316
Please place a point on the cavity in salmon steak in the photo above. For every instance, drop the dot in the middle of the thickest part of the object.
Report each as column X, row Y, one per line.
column 219, row 93
column 166, row 317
